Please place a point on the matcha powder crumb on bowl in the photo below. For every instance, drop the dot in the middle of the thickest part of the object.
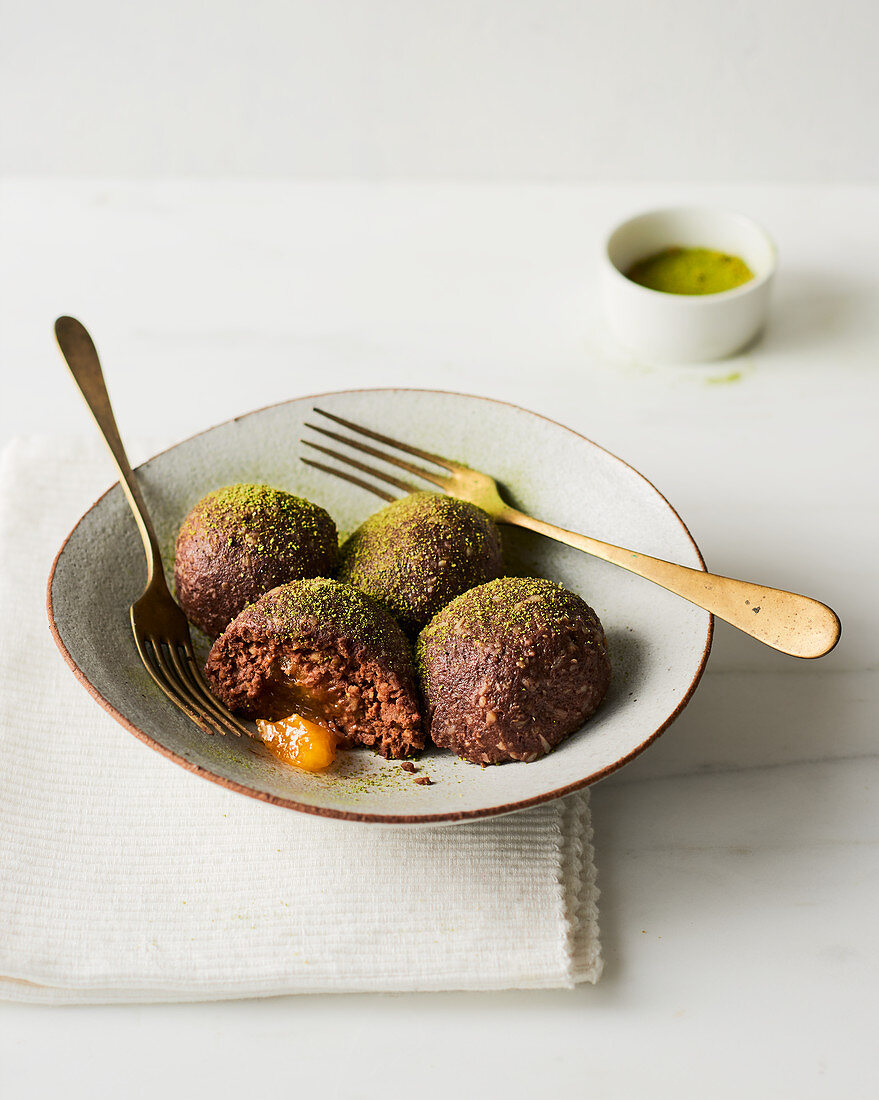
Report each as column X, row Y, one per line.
column 242, row 540
column 419, row 553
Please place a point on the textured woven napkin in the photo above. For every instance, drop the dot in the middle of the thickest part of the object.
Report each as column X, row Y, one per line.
column 125, row 878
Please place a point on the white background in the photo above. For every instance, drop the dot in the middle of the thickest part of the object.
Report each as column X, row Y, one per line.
column 737, row 858
column 683, row 90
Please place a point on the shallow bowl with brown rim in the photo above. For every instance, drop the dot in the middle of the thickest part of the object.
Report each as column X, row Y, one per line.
column 658, row 642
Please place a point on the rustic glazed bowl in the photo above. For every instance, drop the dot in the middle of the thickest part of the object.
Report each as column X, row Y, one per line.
column 658, row 643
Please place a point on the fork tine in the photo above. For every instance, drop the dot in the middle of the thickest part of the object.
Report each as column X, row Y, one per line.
column 147, row 650
column 406, row 486
column 428, row 475
column 153, row 665
column 438, row 459
column 349, row 477
column 180, row 689
column 235, row 724
column 200, row 697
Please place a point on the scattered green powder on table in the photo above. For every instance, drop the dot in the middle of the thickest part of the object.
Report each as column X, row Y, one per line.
column 690, row 271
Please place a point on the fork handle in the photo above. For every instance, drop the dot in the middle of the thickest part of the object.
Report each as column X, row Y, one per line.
column 791, row 623
column 79, row 351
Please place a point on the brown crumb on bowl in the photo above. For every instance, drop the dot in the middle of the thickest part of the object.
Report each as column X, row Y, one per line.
column 424, row 781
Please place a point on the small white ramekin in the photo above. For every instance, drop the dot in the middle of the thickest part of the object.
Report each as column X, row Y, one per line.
column 682, row 328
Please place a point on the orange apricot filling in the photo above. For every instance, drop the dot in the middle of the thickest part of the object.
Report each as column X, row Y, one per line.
column 299, row 741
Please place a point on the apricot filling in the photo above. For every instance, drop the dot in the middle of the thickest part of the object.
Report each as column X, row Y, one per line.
column 299, row 741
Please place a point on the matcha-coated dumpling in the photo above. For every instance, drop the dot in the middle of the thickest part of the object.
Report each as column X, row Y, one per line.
column 510, row 669
column 418, row 553
column 322, row 649
column 242, row 540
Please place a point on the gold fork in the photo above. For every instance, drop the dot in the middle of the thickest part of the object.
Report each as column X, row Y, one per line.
column 788, row 622
column 161, row 632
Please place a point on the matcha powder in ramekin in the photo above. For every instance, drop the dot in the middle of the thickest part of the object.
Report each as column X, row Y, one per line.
column 690, row 271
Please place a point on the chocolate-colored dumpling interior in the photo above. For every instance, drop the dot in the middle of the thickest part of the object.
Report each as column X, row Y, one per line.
column 418, row 553
column 242, row 540
column 324, row 651
column 511, row 668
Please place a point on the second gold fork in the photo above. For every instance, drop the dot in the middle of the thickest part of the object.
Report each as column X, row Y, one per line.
column 797, row 625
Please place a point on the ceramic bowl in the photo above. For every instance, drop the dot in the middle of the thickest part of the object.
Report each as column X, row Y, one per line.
column 678, row 328
column 658, row 643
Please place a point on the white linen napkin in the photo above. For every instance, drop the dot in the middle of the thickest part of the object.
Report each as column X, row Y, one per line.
column 124, row 877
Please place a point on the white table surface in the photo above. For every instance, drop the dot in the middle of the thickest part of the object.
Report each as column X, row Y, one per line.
column 737, row 858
